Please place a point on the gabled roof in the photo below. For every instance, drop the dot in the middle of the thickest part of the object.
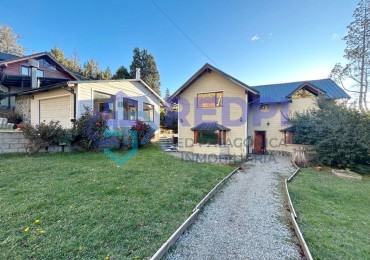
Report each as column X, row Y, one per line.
column 210, row 126
column 208, row 68
column 280, row 93
column 7, row 56
column 122, row 80
column 34, row 56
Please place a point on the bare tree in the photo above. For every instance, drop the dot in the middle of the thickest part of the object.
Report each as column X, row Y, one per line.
column 357, row 53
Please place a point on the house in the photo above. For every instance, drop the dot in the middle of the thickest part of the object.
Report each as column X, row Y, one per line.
column 23, row 73
column 219, row 114
column 121, row 101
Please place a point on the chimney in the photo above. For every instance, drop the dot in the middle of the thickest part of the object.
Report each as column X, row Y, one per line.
column 137, row 73
column 34, row 65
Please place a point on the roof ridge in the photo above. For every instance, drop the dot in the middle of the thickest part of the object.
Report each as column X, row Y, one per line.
column 283, row 83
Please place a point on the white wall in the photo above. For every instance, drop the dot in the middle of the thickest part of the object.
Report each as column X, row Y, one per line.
column 120, row 88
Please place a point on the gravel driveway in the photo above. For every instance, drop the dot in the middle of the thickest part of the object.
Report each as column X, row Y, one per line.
column 245, row 220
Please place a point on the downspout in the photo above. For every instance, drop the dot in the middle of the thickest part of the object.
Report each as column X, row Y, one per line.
column 70, row 90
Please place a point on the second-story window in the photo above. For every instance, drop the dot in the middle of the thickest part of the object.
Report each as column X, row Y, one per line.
column 211, row 99
column 40, row 73
column 25, row 70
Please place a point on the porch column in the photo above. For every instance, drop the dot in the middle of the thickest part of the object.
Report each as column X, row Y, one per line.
column 195, row 137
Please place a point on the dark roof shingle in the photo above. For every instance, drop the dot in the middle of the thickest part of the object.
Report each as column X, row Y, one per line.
column 210, row 126
column 6, row 56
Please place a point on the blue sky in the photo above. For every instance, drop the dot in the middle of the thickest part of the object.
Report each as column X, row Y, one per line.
column 258, row 42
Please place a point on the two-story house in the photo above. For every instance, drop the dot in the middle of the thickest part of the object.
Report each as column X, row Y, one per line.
column 219, row 114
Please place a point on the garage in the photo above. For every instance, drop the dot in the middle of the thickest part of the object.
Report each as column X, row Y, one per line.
column 57, row 108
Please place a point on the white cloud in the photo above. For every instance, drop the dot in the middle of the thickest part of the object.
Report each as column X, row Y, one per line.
column 335, row 36
column 255, row 38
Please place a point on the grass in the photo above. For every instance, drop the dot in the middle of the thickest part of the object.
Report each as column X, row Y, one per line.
column 333, row 214
column 90, row 208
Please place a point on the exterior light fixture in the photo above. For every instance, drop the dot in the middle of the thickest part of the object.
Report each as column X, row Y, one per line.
column 268, row 123
column 241, row 119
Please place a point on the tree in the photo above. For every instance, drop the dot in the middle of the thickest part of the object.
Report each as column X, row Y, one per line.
column 71, row 63
column 106, row 74
column 340, row 135
column 167, row 95
column 9, row 41
column 357, row 53
column 91, row 69
column 149, row 72
column 121, row 73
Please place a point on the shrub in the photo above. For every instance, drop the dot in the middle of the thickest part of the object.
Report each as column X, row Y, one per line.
column 44, row 135
column 144, row 132
column 341, row 135
column 90, row 128
column 12, row 116
column 120, row 138
column 169, row 118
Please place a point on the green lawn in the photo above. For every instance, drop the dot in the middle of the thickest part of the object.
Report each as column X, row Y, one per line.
column 333, row 214
column 82, row 205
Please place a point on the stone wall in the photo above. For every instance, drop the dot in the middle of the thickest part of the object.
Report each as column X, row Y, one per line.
column 12, row 141
column 23, row 107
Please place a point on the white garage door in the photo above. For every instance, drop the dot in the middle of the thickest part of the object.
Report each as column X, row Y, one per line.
column 57, row 109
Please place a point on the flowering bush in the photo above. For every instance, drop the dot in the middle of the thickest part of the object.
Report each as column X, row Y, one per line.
column 90, row 128
column 144, row 132
column 44, row 135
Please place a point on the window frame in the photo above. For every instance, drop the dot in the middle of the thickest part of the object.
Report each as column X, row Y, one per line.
column 97, row 109
column 43, row 73
column 28, row 69
column 152, row 117
column 217, row 136
column 288, row 137
column 124, row 107
column 215, row 104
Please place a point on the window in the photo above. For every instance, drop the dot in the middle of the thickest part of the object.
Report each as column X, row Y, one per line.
column 288, row 137
column 148, row 110
column 43, row 63
column 207, row 137
column 129, row 109
column 211, row 99
column 105, row 103
column 40, row 73
column 25, row 70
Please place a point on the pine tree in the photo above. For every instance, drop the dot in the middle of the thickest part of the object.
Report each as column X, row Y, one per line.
column 121, row 73
column 9, row 41
column 91, row 69
column 72, row 63
column 149, row 72
column 105, row 75
column 167, row 94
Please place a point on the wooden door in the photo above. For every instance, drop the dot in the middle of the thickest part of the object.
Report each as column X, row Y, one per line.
column 259, row 142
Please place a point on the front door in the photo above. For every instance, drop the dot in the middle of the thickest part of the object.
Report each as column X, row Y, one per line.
column 259, row 142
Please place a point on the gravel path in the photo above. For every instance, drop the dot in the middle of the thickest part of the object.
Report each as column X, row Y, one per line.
column 245, row 220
